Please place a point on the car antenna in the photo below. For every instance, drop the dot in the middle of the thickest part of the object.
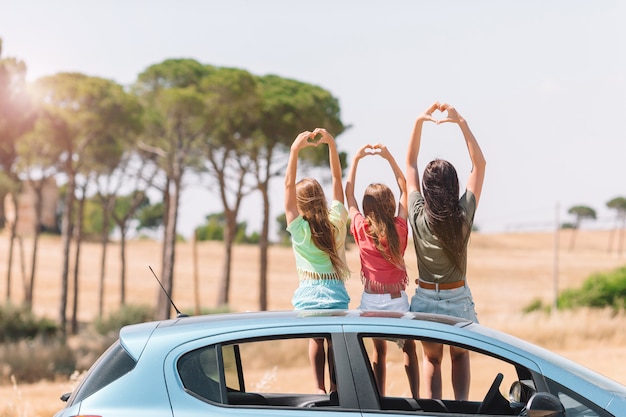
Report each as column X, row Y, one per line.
column 178, row 313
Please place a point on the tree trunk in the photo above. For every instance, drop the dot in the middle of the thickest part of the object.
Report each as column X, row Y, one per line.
column 29, row 296
column 20, row 241
column 196, row 275
column 166, row 212
column 169, row 251
column 33, row 265
column 263, row 248
column 10, row 263
column 12, row 244
column 122, row 224
column 3, row 219
column 104, row 241
column 78, row 238
column 230, row 229
column 122, row 267
column 66, row 238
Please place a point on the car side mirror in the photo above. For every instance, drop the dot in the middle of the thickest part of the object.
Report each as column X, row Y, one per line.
column 543, row 404
column 66, row 396
column 520, row 392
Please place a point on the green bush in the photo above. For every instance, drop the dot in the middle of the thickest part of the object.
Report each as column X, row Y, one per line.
column 19, row 322
column 598, row 291
column 128, row 314
column 536, row 305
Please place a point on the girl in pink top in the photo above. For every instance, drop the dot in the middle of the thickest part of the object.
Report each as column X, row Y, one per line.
column 381, row 236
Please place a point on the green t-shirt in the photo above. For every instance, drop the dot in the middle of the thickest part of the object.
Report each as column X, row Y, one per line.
column 432, row 262
column 312, row 262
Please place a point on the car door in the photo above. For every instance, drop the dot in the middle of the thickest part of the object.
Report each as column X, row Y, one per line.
column 490, row 365
column 258, row 372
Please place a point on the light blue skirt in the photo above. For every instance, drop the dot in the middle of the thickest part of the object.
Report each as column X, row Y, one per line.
column 324, row 294
column 457, row 302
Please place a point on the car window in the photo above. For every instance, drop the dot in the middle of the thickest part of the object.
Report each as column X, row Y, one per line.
column 113, row 364
column 278, row 366
column 199, row 372
column 267, row 372
column 398, row 395
column 232, row 368
column 575, row 404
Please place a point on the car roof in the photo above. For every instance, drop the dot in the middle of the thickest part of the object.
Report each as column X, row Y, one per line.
column 313, row 314
column 345, row 316
column 135, row 337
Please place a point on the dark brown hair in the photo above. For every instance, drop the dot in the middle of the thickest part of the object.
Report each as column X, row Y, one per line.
column 445, row 218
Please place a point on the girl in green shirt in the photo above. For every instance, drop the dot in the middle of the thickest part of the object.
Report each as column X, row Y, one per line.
column 318, row 240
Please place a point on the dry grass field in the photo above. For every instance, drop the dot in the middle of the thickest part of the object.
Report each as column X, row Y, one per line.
column 506, row 272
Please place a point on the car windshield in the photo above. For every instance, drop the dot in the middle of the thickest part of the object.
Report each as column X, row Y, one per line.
column 573, row 367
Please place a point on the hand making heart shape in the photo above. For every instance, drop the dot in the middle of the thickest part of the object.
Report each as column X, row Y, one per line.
column 315, row 138
column 372, row 149
column 451, row 115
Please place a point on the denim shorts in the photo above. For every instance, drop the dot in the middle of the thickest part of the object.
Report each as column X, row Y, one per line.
column 457, row 302
column 324, row 294
column 384, row 302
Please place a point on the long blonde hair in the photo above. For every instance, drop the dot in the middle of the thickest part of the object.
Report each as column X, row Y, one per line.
column 379, row 209
column 312, row 206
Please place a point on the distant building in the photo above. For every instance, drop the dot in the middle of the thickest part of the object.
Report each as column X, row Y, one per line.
column 26, row 208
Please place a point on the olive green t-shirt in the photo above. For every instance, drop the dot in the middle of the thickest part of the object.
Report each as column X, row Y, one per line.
column 433, row 263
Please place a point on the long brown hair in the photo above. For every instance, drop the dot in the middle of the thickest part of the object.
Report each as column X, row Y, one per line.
column 379, row 208
column 445, row 218
column 314, row 209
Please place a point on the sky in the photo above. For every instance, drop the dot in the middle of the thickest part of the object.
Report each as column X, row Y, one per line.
column 542, row 84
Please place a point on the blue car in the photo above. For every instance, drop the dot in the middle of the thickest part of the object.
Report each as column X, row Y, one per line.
column 257, row 364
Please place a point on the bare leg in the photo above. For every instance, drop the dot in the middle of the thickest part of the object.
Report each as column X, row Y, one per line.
column 379, row 364
column 317, row 356
column 331, row 367
column 461, row 373
column 433, row 354
column 411, row 366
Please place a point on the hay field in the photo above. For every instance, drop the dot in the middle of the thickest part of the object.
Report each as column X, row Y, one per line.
column 505, row 271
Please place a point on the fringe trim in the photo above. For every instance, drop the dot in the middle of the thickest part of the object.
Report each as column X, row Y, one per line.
column 384, row 288
column 323, row 276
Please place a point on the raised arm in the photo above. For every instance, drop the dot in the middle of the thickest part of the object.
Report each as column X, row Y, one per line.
column 477, row 175
column 335, row 164
column 291, row 204
column 397, row 171
column 353, row 206
column 412, row 174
